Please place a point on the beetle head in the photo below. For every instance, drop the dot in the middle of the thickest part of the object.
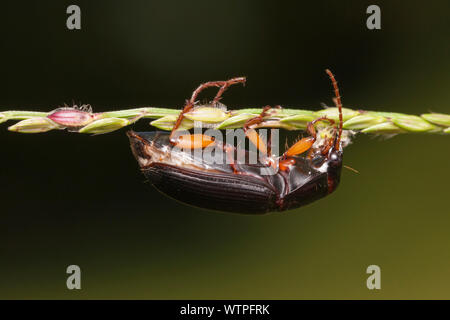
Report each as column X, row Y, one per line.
column 335, row 159
column 326, row 158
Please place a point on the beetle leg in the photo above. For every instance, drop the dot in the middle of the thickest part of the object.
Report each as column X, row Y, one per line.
column 299, row 147
column 258, row 119
column 327, row 146
column 253, row 136
column 191, row 103
column 230, row 152
column 188, row 106
column 194, row 141
column 305, row 144
column 283, row 165
column 225, row 85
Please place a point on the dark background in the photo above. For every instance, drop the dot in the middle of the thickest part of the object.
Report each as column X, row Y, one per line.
column 78, row 199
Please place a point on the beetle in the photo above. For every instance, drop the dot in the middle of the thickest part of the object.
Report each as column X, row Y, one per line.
column 240, row 187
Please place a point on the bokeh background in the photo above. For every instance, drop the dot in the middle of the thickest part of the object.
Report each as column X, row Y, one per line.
column 77, row 199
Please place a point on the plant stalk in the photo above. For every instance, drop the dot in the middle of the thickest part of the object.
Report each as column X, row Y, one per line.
column 286, row 118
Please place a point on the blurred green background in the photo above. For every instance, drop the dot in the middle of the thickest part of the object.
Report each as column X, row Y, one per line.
column 76, row 199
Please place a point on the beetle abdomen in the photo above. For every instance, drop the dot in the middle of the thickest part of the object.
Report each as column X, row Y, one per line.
column 215, row 191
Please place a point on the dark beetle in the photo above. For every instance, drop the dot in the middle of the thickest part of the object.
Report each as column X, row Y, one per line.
column 241, row 188
column 217, row 187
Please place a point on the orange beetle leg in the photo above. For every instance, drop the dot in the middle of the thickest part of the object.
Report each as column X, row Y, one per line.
column 306, row 143
column 254, row 137
column 193, row 141
column 283, row 165
column 300, row 146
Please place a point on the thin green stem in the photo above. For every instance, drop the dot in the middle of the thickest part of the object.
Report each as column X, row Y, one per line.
column 287, row 118
column 20, row 115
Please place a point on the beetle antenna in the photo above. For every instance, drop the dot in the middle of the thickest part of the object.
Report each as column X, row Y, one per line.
column 338, row 103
